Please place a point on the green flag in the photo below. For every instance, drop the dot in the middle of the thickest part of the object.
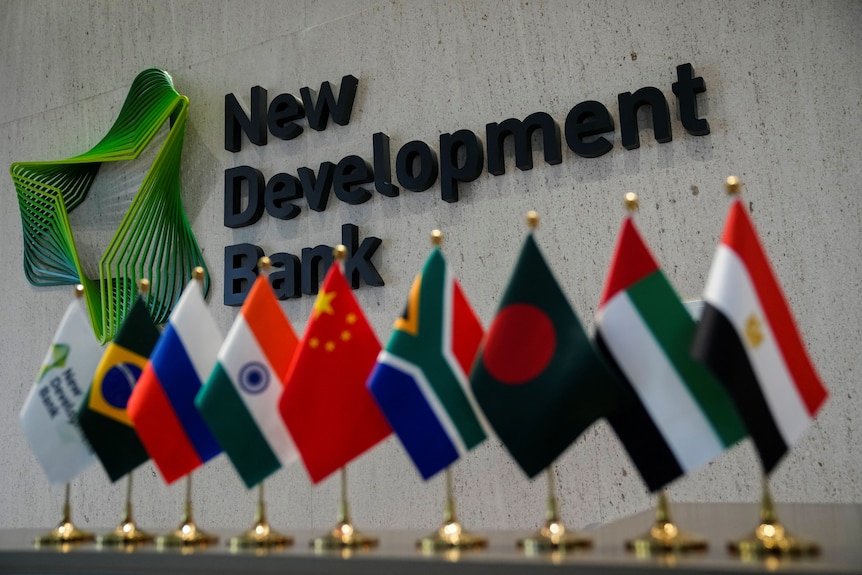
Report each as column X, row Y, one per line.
column 538, row 378
column 102, row 415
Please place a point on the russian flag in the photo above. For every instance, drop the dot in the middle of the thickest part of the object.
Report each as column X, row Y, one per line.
column 162, row 404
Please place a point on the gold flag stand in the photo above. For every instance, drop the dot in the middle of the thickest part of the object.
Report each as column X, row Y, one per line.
column 127, row 532
column 344, row 535
column 664, row 536
column 260, row 534
column 187, row 534
column 553, row 535
column 770, row 538
column 450, row 535
column 65, row 532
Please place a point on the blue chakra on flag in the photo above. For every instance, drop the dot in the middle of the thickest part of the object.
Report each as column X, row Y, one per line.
column 118, row 383
column 253, row 377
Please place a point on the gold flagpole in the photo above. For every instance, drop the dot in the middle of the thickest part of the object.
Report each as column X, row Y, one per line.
column 127, row 532
column 187, row 534
column 344, row 536
column 553, row 536
column 65, row 532
column 664, row 536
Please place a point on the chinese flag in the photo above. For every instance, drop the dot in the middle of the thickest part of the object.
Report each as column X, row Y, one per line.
column 330, row 413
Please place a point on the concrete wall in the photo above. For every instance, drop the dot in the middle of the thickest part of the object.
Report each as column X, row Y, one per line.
column 783, row 102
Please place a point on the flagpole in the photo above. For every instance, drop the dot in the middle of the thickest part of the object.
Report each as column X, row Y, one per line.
column 770, row 536
column 187, row 534
column 127, row 532
column 451, row 534
column 65, row 532
column 553, row 536
column 344, row 536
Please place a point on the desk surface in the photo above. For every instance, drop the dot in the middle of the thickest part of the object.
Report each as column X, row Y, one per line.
column 838, row 529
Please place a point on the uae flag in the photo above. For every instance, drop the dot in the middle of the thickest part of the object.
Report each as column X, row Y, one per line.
column 240, row 400
column 326, row 406
column 421, row 380
column 162, row 405
column 749, row 339
column 103, row 416
column 673, row 415
column 538, row 378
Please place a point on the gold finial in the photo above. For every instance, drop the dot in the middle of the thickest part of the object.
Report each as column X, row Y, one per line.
column 143, row 285
column 630, row 200
column 733, row 185
column 436, row 238
column 532, row 219
column 264, row 263
column 79, row 290
column 339, row 252
column 198, row 273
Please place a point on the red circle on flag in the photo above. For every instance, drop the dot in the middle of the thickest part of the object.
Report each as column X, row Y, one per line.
column 520, row 344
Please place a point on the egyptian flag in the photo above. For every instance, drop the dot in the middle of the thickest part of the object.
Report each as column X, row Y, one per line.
column 673, row 415
column 748, row 337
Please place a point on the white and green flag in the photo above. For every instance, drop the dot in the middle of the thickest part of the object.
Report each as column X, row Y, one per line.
column 48, row 417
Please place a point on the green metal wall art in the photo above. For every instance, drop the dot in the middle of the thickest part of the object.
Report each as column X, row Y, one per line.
column 154, row 239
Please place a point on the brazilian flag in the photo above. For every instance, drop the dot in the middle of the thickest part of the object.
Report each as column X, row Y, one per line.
column 538, row 378
column 102, row 415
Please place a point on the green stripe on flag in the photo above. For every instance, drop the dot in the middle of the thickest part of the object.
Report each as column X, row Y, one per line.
column 235, row 429
column 673, row 328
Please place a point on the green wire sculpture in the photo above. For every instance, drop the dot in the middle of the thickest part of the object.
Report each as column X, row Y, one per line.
column 154, row 239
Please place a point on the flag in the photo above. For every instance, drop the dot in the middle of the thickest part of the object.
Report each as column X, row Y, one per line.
column 329, row 412
column 538, row 378
column 240, row 400
column 162, row 405
column 421, row 380
column 673, row 415
column 49, row 416
column 748, row 337
column 103, row 416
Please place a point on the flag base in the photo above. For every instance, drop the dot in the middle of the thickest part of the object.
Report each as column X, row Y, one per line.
column 770, row 538
column 451, row 535
column 186, row 535
column 126, row 533
column 344, row 536
column 260, row 535
column 664, row 536
column 553, row 537
column 64, row 533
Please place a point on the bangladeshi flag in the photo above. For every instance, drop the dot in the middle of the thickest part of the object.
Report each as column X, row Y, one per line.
column 538, row 378
column 329, row 412
column 673, row 415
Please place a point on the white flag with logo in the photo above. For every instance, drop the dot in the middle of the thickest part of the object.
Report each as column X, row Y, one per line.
column 48, row 416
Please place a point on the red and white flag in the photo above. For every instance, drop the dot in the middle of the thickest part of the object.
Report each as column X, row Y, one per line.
column 748, row 337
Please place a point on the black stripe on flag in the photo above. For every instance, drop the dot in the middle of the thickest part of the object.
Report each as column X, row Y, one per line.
column 717, row 344
column 638, row 433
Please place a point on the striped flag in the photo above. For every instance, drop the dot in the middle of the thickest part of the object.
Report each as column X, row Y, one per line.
column 421, row 380
column 748, row 337
column 673, row 415
column 240, row 400
column 162, row 404
column 49, row 416
column 103, row 415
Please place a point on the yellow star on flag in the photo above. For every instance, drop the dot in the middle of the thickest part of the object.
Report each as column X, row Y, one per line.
column 323, row 303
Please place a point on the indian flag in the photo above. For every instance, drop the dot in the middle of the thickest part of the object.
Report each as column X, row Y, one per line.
column 240, row 401
column 673, row 416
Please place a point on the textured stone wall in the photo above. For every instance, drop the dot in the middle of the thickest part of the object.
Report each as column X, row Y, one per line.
column 782, row 100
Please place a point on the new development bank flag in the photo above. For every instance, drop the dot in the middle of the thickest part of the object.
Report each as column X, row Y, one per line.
column 748, row 337
column 421, row 380
column 103, row 415
column 162, row 406
column 48, row 417
column 673, row 416
column 240, row 400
